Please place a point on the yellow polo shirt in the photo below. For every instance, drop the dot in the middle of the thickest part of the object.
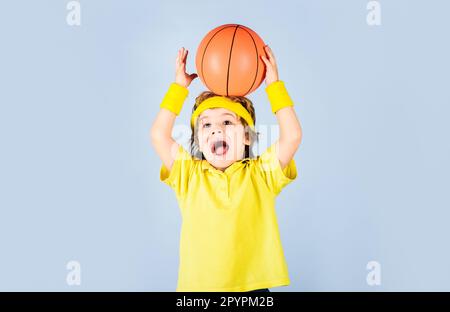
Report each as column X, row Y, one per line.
column 229, row 235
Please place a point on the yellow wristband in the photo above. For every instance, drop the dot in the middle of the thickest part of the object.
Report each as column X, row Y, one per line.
column 174, row 98
column 278, row 96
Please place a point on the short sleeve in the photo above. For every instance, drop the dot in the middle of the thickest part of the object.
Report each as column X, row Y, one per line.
column 178, row 176
column 268, row 165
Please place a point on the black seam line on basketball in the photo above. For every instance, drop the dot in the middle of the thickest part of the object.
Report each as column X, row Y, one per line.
column 229, row 58
column 204, row 52
column 257, row 60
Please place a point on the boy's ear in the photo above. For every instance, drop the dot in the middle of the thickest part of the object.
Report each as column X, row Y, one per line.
column 247, row 138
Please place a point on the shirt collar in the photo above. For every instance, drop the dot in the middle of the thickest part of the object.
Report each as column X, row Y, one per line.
column 233, row 167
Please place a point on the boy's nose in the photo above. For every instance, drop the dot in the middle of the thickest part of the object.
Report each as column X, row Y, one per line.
column 217, row 131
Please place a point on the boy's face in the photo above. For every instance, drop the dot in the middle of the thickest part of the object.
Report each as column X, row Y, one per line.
column 221, row 137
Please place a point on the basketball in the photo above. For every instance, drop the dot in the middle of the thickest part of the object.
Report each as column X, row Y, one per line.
column 228, row 60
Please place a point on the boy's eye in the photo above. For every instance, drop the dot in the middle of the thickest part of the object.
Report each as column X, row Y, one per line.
column 226, row 122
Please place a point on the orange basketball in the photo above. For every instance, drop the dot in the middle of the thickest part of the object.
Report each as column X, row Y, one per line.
column 228, row 60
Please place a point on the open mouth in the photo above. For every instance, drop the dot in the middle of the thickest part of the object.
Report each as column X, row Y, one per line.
column 219, row 147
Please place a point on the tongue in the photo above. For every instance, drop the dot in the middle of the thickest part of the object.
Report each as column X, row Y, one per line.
column 220, row 150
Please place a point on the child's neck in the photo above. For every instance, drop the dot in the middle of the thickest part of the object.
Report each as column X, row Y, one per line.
column 223, row 169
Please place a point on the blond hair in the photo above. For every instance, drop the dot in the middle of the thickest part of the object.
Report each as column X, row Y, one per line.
column 252, row 134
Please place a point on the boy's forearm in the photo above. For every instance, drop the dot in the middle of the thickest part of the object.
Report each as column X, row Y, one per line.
column 290, row 128
column 283, row 107
column 163, row 124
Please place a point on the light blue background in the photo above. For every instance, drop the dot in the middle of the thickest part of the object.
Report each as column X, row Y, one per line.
column 79, row 179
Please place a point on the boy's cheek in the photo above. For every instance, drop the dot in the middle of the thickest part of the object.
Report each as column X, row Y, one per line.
column 205, row 148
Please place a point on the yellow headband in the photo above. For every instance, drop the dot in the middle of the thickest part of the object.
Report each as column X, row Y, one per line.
column 220, row 101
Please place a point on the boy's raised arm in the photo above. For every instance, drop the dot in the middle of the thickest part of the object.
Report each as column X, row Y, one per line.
column 283, row 107
column 161, row 131
column 161, row 134
column 290, row 135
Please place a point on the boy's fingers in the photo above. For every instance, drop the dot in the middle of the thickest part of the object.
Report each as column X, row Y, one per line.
column 265, row 60
column 270, row 53
column 178, row 57
column 182, row 55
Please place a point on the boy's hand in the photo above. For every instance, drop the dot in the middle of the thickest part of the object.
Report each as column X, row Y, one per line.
column 271, row 66
column 181, row 77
